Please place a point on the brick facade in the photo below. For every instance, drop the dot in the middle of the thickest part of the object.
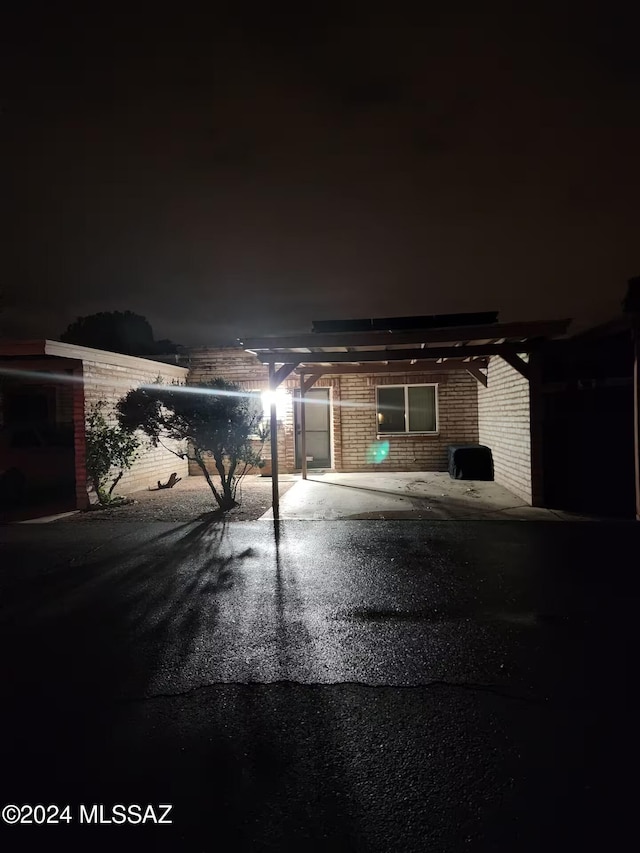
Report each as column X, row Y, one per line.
column 108, row 377
column 499, row 416
column 457, row 422
column 504, row 426
column 353, row 426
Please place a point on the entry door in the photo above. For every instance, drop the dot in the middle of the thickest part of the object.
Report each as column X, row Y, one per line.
column 317, row 414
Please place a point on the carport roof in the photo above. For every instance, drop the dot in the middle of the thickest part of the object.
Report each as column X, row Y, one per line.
column 462, row 344
column 437, row 343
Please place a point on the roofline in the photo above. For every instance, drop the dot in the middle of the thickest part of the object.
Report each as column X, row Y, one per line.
column 614, row 326
column 492, row 331
column 59, row 349
column 411, row 323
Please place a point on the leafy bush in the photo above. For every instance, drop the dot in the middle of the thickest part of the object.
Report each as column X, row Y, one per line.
column 110, row 449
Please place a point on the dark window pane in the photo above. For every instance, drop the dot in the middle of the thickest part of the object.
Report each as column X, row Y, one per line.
column 256, row 411
column 391, row 410
column 26, row 407
column 422, row 408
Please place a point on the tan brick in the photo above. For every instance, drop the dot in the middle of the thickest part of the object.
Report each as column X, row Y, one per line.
column 504, row 426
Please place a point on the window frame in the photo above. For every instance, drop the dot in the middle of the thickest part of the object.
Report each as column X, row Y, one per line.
column 265, row 414
column 407, row 431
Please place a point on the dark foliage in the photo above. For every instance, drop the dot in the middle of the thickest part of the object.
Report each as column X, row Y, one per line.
column 111, row 450
column 213, row 418
column 117, row 331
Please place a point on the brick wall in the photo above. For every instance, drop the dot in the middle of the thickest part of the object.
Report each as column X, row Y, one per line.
column 354, row 427
column 108, row 376
column 457, row 422
column 504, row 426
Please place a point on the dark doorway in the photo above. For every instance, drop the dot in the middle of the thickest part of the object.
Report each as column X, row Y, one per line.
column 317, row 421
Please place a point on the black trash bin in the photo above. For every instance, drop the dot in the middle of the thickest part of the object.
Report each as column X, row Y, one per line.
column 470, row 462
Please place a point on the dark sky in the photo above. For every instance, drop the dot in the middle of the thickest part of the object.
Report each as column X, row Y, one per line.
column 228, row 173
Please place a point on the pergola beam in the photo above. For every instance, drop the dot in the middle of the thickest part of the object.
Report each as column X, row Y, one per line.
column 283, row 356
column 307, row 384
column 537, row 329
column 425, row 367
column 476, row 373
column 517, row 363
column 303, row 427
column 273, row 439
column 281, row 374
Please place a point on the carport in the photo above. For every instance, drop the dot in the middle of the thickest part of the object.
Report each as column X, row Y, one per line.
column 413, row 496
column 440, row 344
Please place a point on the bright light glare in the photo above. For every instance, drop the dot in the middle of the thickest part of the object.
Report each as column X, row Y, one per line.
column 283, row 398
column 280, row 398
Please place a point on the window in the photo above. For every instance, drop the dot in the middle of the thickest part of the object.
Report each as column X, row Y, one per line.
column 407, row 408
column 257, row 412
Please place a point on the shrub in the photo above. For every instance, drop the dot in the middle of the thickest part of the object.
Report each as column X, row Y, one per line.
column 110, row 449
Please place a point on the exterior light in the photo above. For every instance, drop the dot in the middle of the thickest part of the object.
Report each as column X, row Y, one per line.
column 282, row 400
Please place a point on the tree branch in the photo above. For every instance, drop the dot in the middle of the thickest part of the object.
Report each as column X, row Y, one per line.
column 175, row 452
column 203, row 468
column 115, row 482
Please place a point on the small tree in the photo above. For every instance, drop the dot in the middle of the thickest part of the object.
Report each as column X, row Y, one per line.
column 214, row 418
column 110, row 449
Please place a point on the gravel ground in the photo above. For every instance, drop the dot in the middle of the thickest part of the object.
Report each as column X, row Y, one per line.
column 188, row 500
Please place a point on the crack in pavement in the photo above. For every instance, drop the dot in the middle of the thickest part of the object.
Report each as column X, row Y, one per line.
column 469, row 686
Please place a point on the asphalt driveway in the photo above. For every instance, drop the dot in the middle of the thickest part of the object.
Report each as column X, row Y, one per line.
column 354, row 685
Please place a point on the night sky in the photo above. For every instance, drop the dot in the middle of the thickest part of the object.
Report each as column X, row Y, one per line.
column 250, row 172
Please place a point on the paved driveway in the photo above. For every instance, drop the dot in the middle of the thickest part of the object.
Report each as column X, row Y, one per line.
column 421, row 495
column 339, row 686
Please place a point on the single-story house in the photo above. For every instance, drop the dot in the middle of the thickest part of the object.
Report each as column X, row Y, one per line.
column 380, row 395
column 395, row 395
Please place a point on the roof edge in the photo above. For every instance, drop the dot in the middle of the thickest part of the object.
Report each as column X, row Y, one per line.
column 59, row 349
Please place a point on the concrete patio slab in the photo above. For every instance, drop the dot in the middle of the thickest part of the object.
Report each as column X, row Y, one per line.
column 415, row 495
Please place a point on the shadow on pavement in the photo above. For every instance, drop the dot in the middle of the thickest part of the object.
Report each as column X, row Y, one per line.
column 79, row 657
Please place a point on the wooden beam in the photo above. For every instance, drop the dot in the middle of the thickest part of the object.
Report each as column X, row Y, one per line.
column 303, row 429
column 273, row 437
column 537, row 329
column 477, row 373
column 281, row 374
column 516, row 362
column 281, row 356
column 311, row 381
column 424, row 367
